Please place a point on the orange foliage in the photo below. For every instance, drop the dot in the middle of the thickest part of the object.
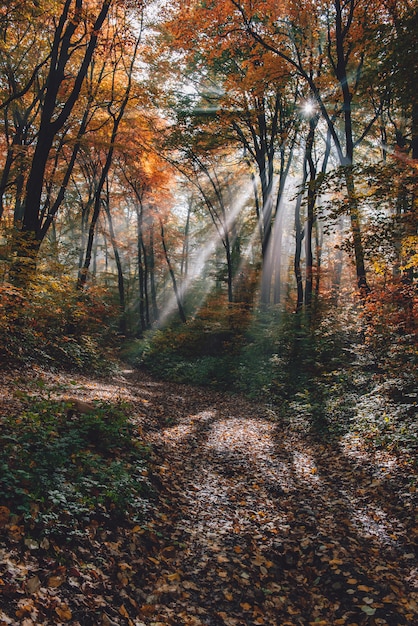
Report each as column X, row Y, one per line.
column 391, row 314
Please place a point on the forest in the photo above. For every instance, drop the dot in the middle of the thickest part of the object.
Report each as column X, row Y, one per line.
column 208, row 320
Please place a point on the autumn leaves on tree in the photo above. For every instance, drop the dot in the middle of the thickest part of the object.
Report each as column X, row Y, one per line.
column 221, row 193
column 264, row 119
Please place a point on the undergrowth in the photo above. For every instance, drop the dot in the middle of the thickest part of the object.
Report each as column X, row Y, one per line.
column 54, row 324
column 318, row 375
column 58, row 473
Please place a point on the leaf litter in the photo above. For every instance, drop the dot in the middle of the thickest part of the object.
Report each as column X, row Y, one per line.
column 255, row 523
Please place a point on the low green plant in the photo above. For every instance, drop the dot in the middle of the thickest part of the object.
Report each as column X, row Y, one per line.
column 317, row 371
column 90, row 466
column 52, row 322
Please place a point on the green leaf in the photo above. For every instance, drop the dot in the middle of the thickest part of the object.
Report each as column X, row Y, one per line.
column 368, row 610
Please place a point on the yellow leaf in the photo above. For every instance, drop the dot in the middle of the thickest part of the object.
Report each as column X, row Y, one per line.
column 138, row 529
column 123, row 611
column 364, row 588
column 64, row 612
column 245, row 606
column 228, row 595
column 55, row 581
column 175, row 576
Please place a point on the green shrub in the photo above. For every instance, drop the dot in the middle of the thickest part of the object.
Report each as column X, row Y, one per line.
column 54, row 323
column 90, row 466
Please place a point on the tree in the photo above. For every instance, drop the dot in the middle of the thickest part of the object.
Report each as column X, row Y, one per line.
column 72, row 25
column 246, row 99
column 116, row 108
column 24, row 53
column 77, row 35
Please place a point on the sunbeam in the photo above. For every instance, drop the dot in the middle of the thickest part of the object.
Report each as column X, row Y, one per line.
column 198, row 264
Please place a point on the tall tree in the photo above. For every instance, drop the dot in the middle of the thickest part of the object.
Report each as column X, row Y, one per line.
column 73, row 25
column 117, row 104
column 344, row 24
column 245, row 98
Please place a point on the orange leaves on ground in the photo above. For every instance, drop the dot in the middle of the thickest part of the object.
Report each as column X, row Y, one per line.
column 223, row 544
column 64, row 613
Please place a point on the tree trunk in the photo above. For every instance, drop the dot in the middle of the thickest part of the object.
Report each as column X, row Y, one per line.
column 173, row 277
column 121, row 280
column 82, row 274
column 141, row 272
column 338, row 268
column 356, row 232
column 311, row 201
column 298, row 246
column 52, row 122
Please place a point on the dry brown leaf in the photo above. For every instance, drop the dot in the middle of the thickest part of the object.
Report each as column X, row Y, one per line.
column 123, row 611
column 25, row 606
column 147, row 609
column 55, row 581
column 33, row 584
column 4, row 515
column 64, row 612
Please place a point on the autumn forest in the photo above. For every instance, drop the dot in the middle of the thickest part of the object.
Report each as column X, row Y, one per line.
column 208, row 324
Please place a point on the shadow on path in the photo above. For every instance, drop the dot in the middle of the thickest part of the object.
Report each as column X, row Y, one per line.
column 263, row 525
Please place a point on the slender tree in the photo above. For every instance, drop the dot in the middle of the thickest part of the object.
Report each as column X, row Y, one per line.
column 72, row 24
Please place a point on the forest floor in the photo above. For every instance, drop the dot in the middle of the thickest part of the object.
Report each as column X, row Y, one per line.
column 255, row 523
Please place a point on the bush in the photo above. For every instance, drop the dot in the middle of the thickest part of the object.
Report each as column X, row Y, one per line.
column 55, row 323
column 391, row 321
column 318, row 374
column 269, row 360
column 55, row 468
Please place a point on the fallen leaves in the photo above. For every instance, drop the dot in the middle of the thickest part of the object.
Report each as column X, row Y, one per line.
column 64, row 612
column 254, row 525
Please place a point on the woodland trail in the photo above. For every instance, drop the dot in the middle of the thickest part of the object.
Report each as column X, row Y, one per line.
column 264, row 525
column 257, row 522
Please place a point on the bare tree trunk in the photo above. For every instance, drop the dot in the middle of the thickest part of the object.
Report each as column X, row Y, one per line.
column 299, row 234
column 141, row 272
column 121, row 280
column 173, row 277
column 151, row 269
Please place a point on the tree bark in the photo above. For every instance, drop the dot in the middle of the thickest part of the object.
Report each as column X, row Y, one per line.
column 172, row 275
column 121, row 280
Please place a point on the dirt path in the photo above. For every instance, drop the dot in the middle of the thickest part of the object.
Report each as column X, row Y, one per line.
column 262, row 525
column 258, row 523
